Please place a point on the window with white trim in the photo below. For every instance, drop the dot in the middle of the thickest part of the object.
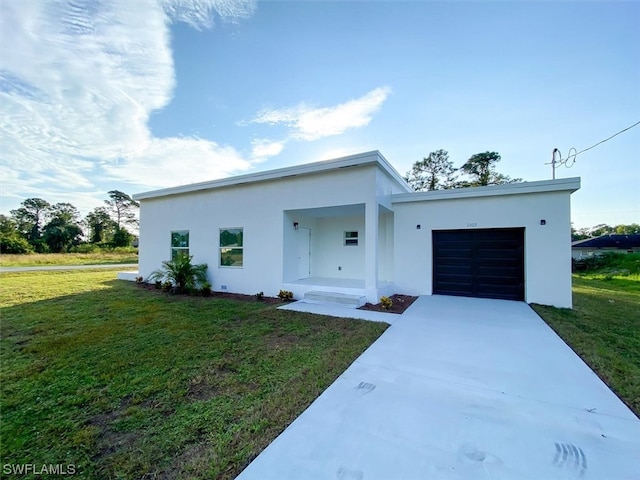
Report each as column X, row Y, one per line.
column 179, row 243
column 231, row 247
column 351, row 239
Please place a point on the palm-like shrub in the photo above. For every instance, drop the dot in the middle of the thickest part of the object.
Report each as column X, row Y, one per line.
column 183, row 274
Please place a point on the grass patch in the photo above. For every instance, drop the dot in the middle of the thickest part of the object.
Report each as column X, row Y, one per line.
column 44, row 259
column 604, row 327
column 609, row 265
column 124, row 382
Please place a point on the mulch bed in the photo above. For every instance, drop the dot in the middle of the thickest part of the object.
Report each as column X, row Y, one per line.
column 400, row 304
column 231, row 296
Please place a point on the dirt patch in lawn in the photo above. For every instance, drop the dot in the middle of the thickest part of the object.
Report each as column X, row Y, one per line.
column 109, row 439
column 281, row 340
column 400, row 304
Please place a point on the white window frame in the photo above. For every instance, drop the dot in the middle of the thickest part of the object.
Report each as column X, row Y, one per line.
column 230, row 247
column 349, row 240
column 180, row 248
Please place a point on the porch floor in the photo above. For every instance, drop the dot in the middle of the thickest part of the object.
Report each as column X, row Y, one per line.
column 330, row 282
column 335, row 282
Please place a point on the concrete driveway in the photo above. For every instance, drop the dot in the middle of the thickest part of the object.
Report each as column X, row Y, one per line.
column 461, row 388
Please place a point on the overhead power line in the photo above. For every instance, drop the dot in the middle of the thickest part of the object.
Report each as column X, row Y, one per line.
column 573, row 153
column 609, row 138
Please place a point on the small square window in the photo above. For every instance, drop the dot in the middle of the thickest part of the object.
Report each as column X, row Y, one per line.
column 351, row 239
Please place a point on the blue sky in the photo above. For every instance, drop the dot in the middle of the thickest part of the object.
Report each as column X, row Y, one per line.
column 139, row 95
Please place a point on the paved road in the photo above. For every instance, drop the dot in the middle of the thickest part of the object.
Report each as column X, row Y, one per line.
column 458, row 389
column 66, row 267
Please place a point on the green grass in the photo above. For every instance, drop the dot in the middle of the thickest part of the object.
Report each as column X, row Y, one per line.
column 612, row 265
column 604, row 325
column 43, row 259
column 123, row 382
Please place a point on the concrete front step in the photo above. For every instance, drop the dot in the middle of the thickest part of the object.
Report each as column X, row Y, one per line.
column 336, row 297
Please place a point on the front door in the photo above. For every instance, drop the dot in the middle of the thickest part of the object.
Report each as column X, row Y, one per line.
column 304, row 252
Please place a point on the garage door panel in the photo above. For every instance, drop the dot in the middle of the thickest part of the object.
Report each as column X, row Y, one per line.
column 456, row 235
column 456, row 253
column 455, row 266
column 506, row 282
column 450, row 281
column 457, row 289
column 505, row 292
column 498, row 271
column 480, row 263
column 506, row 253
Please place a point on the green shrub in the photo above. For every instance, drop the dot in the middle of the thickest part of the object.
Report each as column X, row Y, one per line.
column 181, row 273
column 260, row 296
column 610, row 262
column 40, row 246
column 205, row 289
column 14, row 244
column 285, row 295
column 386, row 303
column 122, row 238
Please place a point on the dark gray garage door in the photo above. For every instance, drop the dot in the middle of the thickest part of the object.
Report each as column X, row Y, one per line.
column 479, row 263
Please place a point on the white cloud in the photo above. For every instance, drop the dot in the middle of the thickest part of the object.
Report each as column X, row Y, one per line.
column 309, row 123
column 199, row 13
column 176, row 161
column 77, row 87
column 264, row 148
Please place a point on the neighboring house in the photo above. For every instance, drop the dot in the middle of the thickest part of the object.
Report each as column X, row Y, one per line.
column 352, row 227
column 605, row 243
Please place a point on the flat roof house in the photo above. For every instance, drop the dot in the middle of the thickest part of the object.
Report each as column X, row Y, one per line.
column 352, row 226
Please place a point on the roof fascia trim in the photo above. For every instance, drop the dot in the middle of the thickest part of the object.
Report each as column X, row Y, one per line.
column 542, row 186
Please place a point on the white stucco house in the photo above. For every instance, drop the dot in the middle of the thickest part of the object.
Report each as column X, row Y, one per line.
column 353, row 227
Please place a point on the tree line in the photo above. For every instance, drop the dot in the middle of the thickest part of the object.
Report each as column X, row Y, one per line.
column 604, row 229
column 436, row 172
column 38, row 226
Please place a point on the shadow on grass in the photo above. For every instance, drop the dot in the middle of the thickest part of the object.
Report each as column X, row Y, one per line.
column 124, row 382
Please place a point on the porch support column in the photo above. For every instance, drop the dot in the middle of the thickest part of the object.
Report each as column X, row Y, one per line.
column 371, row 251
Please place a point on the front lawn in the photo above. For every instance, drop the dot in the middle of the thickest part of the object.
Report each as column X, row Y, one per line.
column 604, row 326
column 123, row 382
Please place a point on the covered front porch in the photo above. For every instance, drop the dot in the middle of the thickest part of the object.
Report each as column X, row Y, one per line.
column 344, row 250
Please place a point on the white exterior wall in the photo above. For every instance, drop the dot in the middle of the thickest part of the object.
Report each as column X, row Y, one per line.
column 385, row 243
column 259, row 209
column 329, row 251
column 547, row 247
